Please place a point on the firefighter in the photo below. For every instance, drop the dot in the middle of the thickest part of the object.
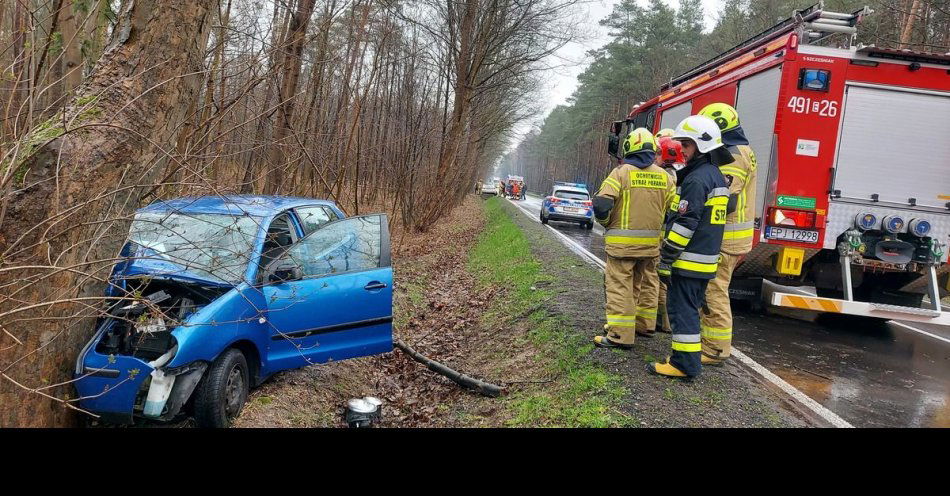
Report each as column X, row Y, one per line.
column 630, row 204
column 716, row 317
column 669, row 158
column 663, row 133
column 689, row 254
column 516, row 190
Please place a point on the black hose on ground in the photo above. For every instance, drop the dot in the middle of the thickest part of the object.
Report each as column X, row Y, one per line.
column 481, row 387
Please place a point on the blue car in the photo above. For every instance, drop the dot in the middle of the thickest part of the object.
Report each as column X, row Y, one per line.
column 214, row 294
column 568, row 202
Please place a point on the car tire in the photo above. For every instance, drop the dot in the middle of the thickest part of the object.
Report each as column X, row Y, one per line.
column 544, row 220
column 222, row 392
column 589, row 225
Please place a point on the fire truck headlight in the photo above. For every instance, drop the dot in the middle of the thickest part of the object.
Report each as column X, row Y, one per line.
column 919, row 227
column 865, row 221
column 893, row 224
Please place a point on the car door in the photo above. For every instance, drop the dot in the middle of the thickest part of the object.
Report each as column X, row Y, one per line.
column 329, row 297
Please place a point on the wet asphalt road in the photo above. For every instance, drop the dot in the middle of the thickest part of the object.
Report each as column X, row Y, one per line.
column 870, row 372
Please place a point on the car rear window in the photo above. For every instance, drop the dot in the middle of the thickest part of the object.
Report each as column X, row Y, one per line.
column 571, row 195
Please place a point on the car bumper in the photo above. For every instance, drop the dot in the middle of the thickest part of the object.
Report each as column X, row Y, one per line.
column 552, row 214
column 108, row 385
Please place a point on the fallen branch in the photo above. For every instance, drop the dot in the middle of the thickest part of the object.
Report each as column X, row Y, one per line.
column 463, row 380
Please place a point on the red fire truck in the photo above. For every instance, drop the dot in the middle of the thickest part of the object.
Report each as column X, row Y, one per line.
column 853, row 175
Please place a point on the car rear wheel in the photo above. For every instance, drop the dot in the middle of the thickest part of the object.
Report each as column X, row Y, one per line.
column 544, row 220
column 222, row 392
column 589, row 225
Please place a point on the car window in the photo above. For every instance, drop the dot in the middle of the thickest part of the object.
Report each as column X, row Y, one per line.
column 212, row 246
column 571, row 195
column 347, row 245
column 279, row 237
column 314, row 217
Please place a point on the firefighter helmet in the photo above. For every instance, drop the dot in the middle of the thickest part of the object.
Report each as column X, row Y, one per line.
column 663, row 133
column 671, row 151
column 722, row 114
column 639, row 140
column 701, row 130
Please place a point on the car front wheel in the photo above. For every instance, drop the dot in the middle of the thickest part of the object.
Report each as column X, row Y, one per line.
column 222, row 392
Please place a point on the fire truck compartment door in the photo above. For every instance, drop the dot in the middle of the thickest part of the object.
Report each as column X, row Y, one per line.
column 894, row 142
column 756, row 103
column 674, row 115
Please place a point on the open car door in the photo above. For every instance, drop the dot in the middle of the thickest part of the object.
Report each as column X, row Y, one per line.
column 329, row 296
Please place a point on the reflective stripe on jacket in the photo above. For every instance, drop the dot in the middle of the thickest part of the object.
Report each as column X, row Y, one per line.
column 695, row 232
column 635, row 223
column 740, row 225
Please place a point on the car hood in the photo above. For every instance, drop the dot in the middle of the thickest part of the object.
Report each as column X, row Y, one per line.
column 148, row 262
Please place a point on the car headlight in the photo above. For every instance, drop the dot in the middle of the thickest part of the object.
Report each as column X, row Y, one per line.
column 865, row 221
column 893, row 224
column 919, row 227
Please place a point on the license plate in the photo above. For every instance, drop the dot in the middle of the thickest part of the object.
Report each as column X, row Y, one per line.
column 787, row 234
column 572, row 210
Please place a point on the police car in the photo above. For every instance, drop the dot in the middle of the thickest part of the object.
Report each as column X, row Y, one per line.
column 568, row 202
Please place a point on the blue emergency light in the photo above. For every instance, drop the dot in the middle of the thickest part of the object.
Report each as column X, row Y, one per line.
column 814, row 79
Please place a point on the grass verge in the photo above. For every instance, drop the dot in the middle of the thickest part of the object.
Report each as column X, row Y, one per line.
column 582, row 393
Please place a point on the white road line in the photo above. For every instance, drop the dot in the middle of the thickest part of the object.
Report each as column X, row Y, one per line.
column 920, row 331
column 826, row 414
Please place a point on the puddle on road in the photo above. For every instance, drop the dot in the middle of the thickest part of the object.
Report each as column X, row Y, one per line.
column 869, row 373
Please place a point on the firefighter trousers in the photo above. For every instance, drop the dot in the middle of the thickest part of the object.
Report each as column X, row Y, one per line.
column 662, row 314
column 622, row 282
column 684, row 299
column 648, row 300
column 716, row 319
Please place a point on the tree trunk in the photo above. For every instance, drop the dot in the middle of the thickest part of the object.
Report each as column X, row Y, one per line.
column 83, row 175
column 293, row 49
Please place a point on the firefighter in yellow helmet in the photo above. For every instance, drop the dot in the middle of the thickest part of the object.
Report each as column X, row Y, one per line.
column 631, row 204
column 716, row 317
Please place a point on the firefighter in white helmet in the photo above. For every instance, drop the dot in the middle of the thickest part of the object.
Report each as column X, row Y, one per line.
column 689, row 255
column 716, row 317
column 630, row 204
column 670, row 158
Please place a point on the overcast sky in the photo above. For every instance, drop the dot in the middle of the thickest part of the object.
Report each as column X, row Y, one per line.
column 572, row 59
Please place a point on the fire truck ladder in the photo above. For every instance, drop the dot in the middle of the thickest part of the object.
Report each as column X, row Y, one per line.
column 813, row 25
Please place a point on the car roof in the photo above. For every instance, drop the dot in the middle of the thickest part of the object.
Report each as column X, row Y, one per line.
column 575, row 189
column 256, row 205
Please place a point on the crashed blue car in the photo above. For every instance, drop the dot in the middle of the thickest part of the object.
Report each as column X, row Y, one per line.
column 214, row 294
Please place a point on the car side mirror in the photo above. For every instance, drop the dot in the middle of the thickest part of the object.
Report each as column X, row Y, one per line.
column 286, row 271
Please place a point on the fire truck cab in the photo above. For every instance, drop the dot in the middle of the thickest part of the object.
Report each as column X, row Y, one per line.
column 853, row 165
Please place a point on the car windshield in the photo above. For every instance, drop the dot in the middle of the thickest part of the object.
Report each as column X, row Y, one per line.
column 571, row 195
column 212, row 246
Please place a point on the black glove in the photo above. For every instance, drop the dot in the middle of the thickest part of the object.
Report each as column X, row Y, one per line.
column 663, row 269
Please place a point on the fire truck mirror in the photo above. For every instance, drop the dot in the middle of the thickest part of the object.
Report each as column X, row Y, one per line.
column 616, row 127
column 613, row 145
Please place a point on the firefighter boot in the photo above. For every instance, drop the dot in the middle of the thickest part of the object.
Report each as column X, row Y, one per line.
column 667, row 370
column 613, row 339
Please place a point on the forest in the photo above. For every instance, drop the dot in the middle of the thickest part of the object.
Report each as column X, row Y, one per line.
column 652, row 42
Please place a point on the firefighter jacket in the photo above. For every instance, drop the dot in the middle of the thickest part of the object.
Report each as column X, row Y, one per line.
column 737, row 238
column 694, row 233
column 640, row 196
